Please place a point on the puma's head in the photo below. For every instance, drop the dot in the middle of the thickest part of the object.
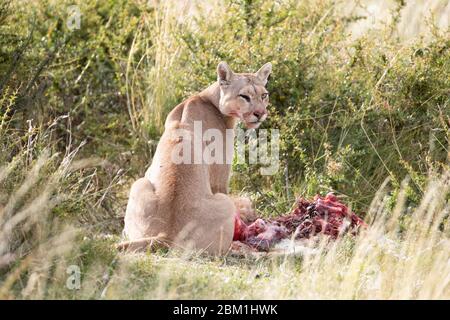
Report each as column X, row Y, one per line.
column 243, row 95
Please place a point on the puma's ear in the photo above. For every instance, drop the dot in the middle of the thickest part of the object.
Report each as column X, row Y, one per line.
column 224, row 73
column 264, row 73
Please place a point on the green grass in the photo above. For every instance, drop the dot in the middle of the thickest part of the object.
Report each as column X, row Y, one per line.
column 365, row 115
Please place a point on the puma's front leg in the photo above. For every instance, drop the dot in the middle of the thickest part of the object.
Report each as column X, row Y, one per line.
column 219, row 178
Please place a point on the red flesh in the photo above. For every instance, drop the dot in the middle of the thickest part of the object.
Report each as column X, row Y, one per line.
column 322, row 215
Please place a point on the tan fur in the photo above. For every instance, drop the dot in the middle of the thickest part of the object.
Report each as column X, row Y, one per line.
column 186, row 205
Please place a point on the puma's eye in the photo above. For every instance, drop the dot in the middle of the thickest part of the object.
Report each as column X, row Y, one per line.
column 246, row 98
column 264, row 95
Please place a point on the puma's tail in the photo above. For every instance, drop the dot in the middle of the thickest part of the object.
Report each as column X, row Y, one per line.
column 152, row 243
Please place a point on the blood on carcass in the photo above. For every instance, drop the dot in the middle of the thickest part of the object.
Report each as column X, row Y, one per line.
column 324, row 215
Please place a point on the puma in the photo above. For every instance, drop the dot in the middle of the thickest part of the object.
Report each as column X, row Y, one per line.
column 186, row 205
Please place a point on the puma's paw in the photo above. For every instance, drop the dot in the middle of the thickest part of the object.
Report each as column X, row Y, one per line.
column 245, row 209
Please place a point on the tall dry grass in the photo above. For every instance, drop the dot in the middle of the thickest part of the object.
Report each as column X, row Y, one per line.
column 39, row 239
column 151, row 82
column 32, row 240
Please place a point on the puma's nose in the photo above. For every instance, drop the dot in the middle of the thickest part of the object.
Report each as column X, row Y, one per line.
column 259, row 113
